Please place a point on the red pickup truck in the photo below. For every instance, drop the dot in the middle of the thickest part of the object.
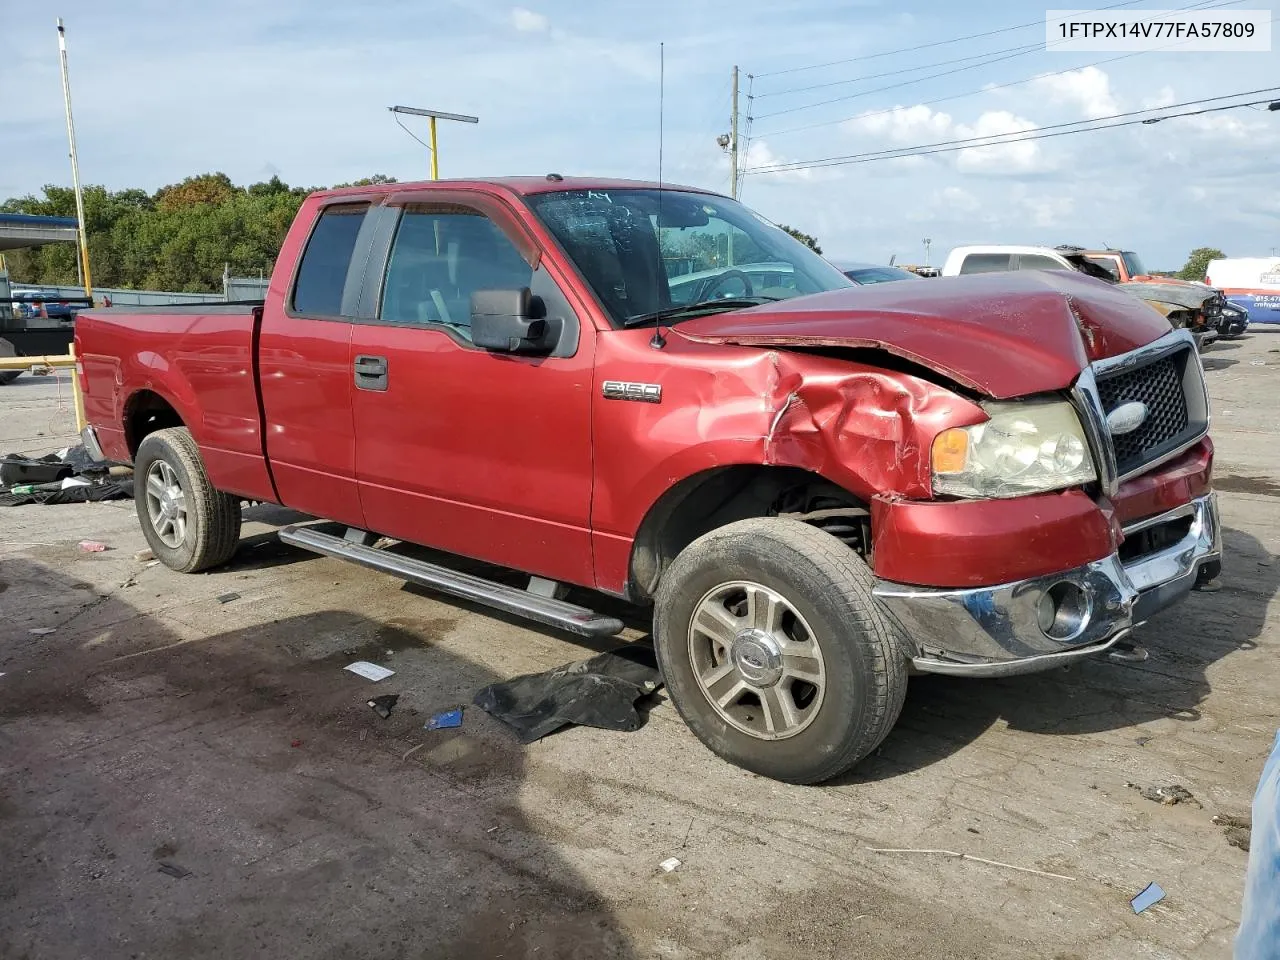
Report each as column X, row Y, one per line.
column 654, row 393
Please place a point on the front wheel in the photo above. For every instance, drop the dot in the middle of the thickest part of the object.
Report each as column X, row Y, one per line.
column 189, row 525
column 775, row 652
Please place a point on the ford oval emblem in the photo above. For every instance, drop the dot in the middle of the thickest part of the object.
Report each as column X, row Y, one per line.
column 1127, row 418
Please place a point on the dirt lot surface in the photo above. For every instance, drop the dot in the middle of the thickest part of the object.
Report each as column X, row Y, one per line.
column 186, row 777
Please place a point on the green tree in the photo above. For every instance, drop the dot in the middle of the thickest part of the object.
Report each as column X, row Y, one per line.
column 1198, row 263
column 178, row 238
column 806, row 239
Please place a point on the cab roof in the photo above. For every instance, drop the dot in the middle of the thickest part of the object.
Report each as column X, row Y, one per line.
column 523, row 186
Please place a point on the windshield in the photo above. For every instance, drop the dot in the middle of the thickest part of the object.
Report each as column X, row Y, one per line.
column 703, row 249
column 880, row 275
column 1133, row 264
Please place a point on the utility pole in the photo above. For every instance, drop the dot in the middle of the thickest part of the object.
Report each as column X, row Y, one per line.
column 75, row 165
column 733, row 139
column 432, row 116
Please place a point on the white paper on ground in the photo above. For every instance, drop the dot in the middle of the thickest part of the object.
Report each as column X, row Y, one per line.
column 74, row 482
column 370, row 671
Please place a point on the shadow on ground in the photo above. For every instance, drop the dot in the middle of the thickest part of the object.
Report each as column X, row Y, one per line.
column 235, row 796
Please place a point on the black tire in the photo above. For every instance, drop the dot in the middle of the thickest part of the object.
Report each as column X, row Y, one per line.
column 8, row 376
column 830, row 587
column 211, row 529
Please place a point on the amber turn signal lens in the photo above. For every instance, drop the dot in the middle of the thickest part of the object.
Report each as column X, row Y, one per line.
column 950, row 451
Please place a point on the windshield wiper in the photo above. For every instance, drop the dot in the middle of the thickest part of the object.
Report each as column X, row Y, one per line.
column 702, row 307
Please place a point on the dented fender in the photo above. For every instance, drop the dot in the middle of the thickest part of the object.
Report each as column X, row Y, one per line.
column 866, row 429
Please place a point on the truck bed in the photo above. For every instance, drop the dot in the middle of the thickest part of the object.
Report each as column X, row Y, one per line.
column 201, row 359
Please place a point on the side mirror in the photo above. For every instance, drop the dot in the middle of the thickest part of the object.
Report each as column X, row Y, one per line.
column 509, row 321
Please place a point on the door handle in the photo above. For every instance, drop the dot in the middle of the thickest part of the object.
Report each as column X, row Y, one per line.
column 371, row 372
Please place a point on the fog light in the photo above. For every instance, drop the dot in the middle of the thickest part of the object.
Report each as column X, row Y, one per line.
column 1063, row 611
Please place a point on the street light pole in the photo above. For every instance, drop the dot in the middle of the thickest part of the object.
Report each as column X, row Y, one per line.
column 75, row 164
column 432, row 116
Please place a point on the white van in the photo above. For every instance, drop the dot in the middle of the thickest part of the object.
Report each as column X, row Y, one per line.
column 1249, row 282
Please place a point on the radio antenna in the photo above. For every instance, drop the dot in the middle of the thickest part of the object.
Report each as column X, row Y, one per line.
column 659, row 341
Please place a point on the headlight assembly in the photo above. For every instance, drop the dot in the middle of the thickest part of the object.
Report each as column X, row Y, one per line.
column 1025, row 447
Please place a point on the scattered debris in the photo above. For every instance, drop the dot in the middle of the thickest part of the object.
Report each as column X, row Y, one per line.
column 382, row 705
column 445, row 720
column 173, row 870
column 153, row 563
column 1259, row 362
column 42, row 631
column 1173, row 794
column 228, row 597
column 685, row 842
column 490, row 830
column 1149, row 897
column 295, row 743
column 599, row 692
column 1142, row 741
column 68, row 476
column 969, row 856
column 370, row 671
column 92, row 546
column 410, row 752
column 973, row 830
column 669, row 864
column 142, row 556
column 1228, row 820
column 1238, row 837
column 1237, row 830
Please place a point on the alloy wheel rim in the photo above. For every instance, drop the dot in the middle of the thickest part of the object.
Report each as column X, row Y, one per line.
column 756, row 660
column 166, row 504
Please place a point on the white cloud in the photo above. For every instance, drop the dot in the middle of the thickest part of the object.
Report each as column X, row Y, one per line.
column 1165, row 98
column 920, row 126
column 1088, row 89
column 760, row 154
column 526, row 21
column 1022, row 157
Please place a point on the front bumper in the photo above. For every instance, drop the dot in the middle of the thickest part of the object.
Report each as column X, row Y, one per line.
column 1040, row 623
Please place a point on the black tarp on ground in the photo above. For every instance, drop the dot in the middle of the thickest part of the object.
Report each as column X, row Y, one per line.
column 600, row 692
column 72, row 477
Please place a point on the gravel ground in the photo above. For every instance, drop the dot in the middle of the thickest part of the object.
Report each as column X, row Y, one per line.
column 186, row 777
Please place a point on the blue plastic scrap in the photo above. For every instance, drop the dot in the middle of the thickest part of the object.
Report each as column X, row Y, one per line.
column 445, row 720
column 1147, row 898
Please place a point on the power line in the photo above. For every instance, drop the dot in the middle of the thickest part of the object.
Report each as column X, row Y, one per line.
column 924, row 46
column 1006, row 55
column 1017, row 136
column 894, row 73
column 972, row 93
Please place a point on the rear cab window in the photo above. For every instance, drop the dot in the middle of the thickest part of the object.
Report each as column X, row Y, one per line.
column 1034, row 261
column 322, row 274
column 985, row 262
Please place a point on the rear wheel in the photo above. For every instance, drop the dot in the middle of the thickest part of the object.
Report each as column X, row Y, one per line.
column 775, row 652
column 189, row 525
column 8, row 376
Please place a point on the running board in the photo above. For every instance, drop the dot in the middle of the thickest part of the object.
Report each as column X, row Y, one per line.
column 545, row 610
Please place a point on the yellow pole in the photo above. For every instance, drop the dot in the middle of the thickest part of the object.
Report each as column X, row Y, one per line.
column 75, row 163
column 76, row 395
column 435, row 164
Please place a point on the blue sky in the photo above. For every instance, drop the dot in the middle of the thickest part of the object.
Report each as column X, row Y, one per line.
column 300, row 89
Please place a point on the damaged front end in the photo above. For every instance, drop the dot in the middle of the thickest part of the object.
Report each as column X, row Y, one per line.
column 1003, row 534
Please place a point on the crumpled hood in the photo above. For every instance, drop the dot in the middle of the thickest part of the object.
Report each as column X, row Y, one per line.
column 1189, row 295
column 1001, row 334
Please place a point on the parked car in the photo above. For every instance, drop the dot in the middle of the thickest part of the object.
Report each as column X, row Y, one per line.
column 1185, row 305
column 1234, row 322
column 867, row 273
column 816, row 495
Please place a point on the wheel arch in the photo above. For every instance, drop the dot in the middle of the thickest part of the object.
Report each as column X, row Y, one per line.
column 718, row 496
column 146, row 411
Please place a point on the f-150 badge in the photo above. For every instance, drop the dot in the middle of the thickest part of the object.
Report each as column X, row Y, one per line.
column 623, row 390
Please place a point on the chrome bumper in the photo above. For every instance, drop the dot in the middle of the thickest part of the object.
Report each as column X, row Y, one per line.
column 1045, row 622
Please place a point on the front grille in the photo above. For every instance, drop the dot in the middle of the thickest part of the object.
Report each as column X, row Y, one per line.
column 1168, row 424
